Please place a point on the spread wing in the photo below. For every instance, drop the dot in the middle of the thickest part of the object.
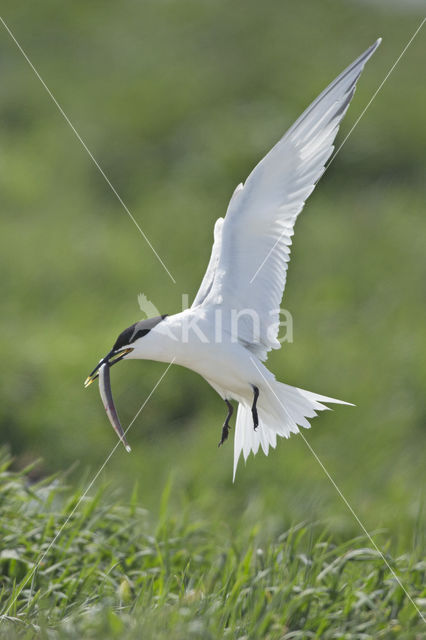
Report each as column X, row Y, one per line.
column 248, row 265
column 207, row 281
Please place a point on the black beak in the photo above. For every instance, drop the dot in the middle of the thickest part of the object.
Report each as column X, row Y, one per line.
column 111, row 358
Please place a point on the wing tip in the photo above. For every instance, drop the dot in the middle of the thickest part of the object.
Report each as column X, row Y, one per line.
column 367, row 55
column 375, row 45
column 364, row 58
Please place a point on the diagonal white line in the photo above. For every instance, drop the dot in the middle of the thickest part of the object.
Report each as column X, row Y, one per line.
column 346, row 502
column 267, row 256
column 86, row 148
column 373, row 97
column 92, row 482
column 362, row 526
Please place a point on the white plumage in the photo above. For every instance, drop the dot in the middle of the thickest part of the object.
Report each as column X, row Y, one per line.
column 248, row 265
column 233, row 322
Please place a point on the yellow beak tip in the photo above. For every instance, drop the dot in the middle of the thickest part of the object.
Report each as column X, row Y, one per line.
column 88, row 382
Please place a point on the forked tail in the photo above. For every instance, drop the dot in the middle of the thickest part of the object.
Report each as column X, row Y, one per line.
column 282, row 410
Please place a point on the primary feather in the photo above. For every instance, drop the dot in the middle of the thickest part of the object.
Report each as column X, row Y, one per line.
column 248, row 264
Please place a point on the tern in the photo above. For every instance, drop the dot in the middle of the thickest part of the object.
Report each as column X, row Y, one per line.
column 233, row 323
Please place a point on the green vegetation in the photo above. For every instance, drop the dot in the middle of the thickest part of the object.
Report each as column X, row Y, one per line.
column 178, row 100
column 109, row 574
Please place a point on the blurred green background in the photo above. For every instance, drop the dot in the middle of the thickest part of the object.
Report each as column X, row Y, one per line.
column 178, row 101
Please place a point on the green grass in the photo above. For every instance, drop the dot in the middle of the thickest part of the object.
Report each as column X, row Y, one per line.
column 113, row 572
column 178, row 100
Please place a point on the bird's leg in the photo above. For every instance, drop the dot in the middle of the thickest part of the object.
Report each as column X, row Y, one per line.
column 226, row 427
column 254, row 407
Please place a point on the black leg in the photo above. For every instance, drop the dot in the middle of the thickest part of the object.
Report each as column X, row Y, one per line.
column 226, row 427
column 254, row 408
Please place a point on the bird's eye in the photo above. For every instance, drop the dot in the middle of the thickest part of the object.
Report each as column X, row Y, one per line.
column 135, row 331
column 126, row 337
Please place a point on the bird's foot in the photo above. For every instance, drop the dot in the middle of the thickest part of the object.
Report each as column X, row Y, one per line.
column 226, row 427
column 254, row 408
column 225, row 433
column 255, row 419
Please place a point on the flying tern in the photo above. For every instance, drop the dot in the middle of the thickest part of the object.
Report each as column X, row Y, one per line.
column 233, row 322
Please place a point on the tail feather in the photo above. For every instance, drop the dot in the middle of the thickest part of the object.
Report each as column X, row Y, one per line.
column 282, row 410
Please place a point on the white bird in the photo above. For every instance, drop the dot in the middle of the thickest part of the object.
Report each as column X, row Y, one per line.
column 234, row 319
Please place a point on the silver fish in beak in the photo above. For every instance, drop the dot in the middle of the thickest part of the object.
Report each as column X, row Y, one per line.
column 119, row 351
column 101, row 371
column 108, row 402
